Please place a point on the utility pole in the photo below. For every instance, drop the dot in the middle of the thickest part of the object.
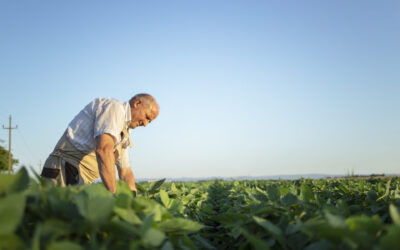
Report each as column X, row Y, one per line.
column 9, row 145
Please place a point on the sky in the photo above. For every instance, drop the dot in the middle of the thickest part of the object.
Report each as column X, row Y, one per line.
column 245, row 88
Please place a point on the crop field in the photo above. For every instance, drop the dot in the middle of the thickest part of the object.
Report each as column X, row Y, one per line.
column 301, row 214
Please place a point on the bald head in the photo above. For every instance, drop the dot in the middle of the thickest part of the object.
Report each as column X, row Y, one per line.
column 144, row 109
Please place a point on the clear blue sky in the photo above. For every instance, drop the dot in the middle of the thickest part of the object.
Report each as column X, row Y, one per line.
column 245, row 87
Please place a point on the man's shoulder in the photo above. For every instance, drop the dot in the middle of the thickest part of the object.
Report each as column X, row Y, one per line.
column 106, row 102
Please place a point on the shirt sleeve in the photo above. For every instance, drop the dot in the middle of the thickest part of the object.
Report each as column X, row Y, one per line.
column 123, row 159
column 109, row 120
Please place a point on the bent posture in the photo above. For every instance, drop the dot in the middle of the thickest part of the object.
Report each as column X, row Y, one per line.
column 97, row 140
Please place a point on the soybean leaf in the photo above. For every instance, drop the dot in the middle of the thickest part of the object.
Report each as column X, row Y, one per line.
column 11, row 211
column 40, row 179
column 228, row 219
column 344, row 189
column 167, row 246
column 334, row 220
column 140, row 188
column 186, row 243
column 391, row 240
column 258, row 244
column 153, row 237
column 371, row 225
column 56, row 228
column 147, row 221
column 122, row 227
column 273, row 193
column 14, row 183
column 164, row 198
column 64, row 245
column 397, row 192
column 306, row 193
column 155, row 186
column 96, row 209
column 11, row 242
column 180, row 225
column 320, row 245
column 387, row 190
column 127, row 214
column 289, row 199
column 173, row 187
column 123, row 188
column 394, row 214
column 271, row 228
column 94, row 190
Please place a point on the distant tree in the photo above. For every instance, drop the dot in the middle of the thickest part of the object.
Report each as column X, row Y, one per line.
column 4, row 159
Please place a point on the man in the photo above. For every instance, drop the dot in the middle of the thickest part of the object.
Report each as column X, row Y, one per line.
column 97, row 139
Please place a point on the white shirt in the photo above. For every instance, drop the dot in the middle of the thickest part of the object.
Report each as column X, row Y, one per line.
column 102, row 115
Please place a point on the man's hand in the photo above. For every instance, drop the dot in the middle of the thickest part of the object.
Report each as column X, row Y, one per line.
column 126, row 175
column 106, row 161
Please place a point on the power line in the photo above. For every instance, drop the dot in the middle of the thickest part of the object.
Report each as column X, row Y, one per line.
column 28, row 149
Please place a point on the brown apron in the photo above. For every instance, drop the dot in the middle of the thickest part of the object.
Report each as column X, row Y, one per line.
column 66, row 165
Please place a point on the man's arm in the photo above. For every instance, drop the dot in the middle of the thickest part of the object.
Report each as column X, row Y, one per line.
column 106, row 160
column 126, row 175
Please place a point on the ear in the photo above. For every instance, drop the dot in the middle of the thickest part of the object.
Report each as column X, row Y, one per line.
column 137, row 103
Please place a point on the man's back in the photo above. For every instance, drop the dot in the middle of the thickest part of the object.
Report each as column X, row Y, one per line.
column 102, row 115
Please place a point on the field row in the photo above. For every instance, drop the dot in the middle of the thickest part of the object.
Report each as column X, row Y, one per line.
column 302, row 214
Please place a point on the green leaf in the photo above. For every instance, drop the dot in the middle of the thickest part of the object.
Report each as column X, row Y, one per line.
column 273, row 193
column 227, row 219
column 147, row 222
column 11, row 242
column 397, row 192
column 306, row 193
column 140, row 188
column 164, row 198
column 14, row 183
column 153, row 237
column 318, row 228
column 96, row 209
column 11, row 211
column 203, row 243
column 150, row 207
column 123, row 188
column 123, row 200
column 122, row 227
column 64, row 245
column 167, row 246
column 391, row 240
column 371, row 225
column 94, row 190
column 128, row 215
column 344, row 189
column 176, row 206
column 40, row 179
column 271, row 228
column 155, row 186
column 394, row 214
column 56, row 228
column 173, row 188
column 387, row 190
column 320, row 245
column 334, row 220
column 289, row 199
column 35, row 243
column 258, row 244
column 180, row 225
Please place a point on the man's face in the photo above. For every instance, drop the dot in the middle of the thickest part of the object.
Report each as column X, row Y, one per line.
column 141, row 115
